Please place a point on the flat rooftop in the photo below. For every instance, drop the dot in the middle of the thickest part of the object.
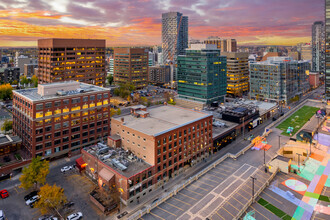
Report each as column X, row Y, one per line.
column 84, row 88
column 221, row 127
column 123, row 162
column 162, row 119
column 263, row 106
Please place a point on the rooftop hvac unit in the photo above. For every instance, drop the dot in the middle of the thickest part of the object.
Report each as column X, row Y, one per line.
column 61, row 92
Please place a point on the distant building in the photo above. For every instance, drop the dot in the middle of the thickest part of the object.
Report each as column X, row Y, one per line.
column 111, row 66
column 29, row 69
column 131, row 66
column 202, row 74
column 60, row 118
column 225, row 45
column 295, row 55
column 148, row 147
column 278, row 79
column 318, row 47
column 266, row 55
column 160, row 74
column 237, row 73
column 314, row 79
column 81, row 60
column 9, row 74
column 327, row 50
column 152, row 59
column 306, row 52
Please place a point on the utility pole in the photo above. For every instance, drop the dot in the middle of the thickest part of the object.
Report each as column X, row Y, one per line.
column 299, row 161
column 243, row 128
column 279, row 142
column 253, row 178
column 265, row 160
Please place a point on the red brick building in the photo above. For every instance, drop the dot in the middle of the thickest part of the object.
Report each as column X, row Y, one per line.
column 156, row 144
column 61, row 118
column 81, row 60
column 314, row 79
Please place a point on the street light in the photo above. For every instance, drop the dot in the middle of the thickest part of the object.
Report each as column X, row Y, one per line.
column 279, row 142
column 253, row 178
column 299, row 161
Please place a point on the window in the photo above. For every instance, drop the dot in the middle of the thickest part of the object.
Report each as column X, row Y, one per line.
column 65, row 124
column 65, row 132
column 48, row 152
column 38, row 147
column 57, row 104
column 85, row 99
column 99, row 96
column 164, row 157
column 75, row 101
column 48, row 105
column 39, row 114
column 105, row 95
column 164, row 141
column 49, row 144
column 180, row 134
column 39, row 106
column 66, row 102
column 170, row 137
column 92, row 98
column 39, row 139
column 158, row 160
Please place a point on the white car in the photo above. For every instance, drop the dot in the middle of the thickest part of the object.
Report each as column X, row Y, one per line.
column 2, row 215
column 32, row 200
column 75, row 216
column 66, row 168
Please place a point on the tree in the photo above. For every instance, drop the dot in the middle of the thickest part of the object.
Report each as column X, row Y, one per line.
column 34, row 174
column 119, row 111
column 34, row 81
column 6, row 91
column 112, row 112
column 143, row 100
column 14, row 82
column 124, row 90
column 51, row 198
column 24, row 80
column 110, row 79
column 7, row 126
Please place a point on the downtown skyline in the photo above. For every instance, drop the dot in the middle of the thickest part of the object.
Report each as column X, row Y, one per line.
column 135, row 23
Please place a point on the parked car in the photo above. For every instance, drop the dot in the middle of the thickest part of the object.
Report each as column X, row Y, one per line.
column 2, row 215
column 30, row 195
column 4, row 193
column 47, row 217
column 66, row 168
column 75, row 216
column 32, row 200
column 68, row 204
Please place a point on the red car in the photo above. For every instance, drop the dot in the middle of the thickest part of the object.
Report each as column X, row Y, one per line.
column 4, row 193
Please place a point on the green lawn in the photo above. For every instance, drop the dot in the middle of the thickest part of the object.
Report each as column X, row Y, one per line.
column 298, row 119
column 278, row 212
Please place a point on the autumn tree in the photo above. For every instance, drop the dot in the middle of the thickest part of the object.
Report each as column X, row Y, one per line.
column 7, row 126
column 24, row 80
column 35, row 174
column 6, row 91
column 119, row 111
column 34, row 81
column 51, row 199
column 110, row 79
column 112, row 112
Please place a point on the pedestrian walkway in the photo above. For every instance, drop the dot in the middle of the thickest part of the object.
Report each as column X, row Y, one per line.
column 308, row 204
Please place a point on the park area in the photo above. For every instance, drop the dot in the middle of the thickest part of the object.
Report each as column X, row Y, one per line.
column 296, row 121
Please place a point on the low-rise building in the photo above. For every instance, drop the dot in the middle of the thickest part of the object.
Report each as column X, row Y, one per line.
column 156, row 144
column 29, row 69
column 60, row 118
column 314, row 79
column 160, row 74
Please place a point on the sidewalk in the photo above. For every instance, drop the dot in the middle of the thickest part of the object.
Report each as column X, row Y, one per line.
column 233, row 148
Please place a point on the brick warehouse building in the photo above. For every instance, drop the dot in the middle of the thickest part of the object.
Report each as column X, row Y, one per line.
column 60, row 118
column 159, row 142
column 81, row 60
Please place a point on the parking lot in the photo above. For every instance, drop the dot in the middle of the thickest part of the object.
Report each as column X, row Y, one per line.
column 76, row 188
column 203, row 196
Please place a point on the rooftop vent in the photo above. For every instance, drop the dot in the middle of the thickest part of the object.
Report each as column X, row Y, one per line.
column 61, row 92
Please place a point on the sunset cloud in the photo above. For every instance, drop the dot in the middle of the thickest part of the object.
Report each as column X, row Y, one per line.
column 138, row 22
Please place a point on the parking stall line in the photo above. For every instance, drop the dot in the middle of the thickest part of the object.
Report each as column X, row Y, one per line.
column 215, row 176
column 180, row 193
column 173, row 206
column 156, row 216
column 199, row 187
column 219, row 172
column 246, row 191
column 181, row 201
column 237, row 200
column 260, row 176
column 206, row 183
column 231, row 168
column 263, row 208
column 220, row 216
column 242, row 196
column 194, row 192
column 232, row 205
column 273, row 197
column 226, row 211
column 220, row 168
column 166, row 211
column 211, row 180
column 259, row 213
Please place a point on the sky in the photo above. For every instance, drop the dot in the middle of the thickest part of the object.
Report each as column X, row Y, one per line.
column 138, row 22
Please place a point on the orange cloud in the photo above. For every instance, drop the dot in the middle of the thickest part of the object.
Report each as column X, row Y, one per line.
column 19, row 13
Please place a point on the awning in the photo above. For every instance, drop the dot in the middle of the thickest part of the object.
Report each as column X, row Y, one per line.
column 106, row 174
column 80, row 162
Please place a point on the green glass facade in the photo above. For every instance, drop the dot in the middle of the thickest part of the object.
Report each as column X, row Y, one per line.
column 202, row 75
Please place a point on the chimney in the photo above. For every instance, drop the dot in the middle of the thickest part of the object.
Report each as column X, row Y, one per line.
column 122, row 120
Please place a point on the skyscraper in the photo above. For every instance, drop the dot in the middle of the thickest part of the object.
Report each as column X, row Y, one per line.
column 174, row 37
column 318, row 47
column 202, row 74
column 131, row 65
column 327, row 53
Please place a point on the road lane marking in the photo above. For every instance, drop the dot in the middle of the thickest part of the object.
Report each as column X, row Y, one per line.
column 181, row 201
column 156, row 215
column 173, row 206
column 166, row 211
column 180, row 193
